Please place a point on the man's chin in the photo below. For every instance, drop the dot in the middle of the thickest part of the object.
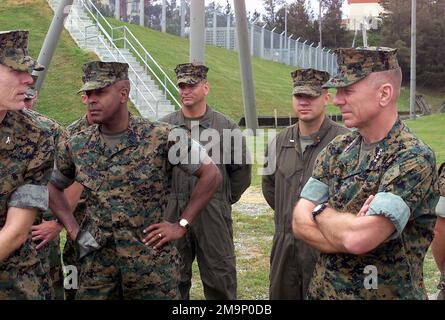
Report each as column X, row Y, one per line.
column 96, row 119
column 18, row 106
column 305, row 117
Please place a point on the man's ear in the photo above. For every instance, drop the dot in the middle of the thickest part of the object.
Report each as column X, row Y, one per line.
column 124, row 93
column 327, row 97
column 206, row 87
column 385, row 94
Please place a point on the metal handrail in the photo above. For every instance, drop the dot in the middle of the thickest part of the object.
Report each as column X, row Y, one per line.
column 148, row 55
column 167, row 80
column 156, row 110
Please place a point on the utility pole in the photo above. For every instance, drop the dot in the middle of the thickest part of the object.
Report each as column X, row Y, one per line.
column 51, row 40
column 412, row 101
column 164, row 16
column 117, row 9
column 245, row 66
column 197, row 31
column 141, row 12
column 319, row 21
column 285, row 24
column 183, row 12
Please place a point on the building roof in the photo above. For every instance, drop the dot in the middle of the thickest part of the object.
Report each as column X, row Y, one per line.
column 362, row 1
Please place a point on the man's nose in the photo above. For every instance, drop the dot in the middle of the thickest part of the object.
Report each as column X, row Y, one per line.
column 338, row 100
column 26, row 78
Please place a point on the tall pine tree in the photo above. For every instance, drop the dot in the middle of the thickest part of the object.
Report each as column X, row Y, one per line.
column 396, row 32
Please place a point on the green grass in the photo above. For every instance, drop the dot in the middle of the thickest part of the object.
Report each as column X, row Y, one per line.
column 431, row 129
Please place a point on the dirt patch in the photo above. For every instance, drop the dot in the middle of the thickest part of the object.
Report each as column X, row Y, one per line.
column 253, row 195
column 252, row 203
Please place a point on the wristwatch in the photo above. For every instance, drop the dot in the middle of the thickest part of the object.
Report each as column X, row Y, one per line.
column 184, row 224
column 318, row 209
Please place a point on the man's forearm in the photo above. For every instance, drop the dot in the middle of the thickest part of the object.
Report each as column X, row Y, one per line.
column 313, row 237
column 335, row 226
column 438, row 244
column 8, row 244
column 15, row 231
column 353, row 234
column 305, row 229
column 61, row 209
column 209, row 179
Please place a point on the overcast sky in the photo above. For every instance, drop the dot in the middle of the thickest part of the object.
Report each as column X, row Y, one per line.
column 251, row 5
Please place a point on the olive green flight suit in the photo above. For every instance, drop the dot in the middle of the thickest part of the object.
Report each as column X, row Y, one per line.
column 292, row 261
column 210, row 239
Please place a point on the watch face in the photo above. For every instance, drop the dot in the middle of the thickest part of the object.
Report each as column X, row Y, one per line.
column 183, row 223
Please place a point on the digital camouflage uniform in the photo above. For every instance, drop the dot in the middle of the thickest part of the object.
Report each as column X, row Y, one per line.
column 440, row 212
column 50, row 252
column 69, row 250
column 26, row 158
column 400, row 172
column 126, row 190
column 292, row 261
column 210, row 239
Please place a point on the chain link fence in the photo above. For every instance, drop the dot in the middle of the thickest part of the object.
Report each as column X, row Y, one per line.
column 220, row 31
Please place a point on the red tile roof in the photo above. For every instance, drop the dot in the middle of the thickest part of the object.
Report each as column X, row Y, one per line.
column 363, row 1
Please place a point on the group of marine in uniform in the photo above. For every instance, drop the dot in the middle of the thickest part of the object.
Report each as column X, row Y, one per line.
column 140, row 200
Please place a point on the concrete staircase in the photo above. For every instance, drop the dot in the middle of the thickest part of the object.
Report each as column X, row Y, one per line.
column 147, row 96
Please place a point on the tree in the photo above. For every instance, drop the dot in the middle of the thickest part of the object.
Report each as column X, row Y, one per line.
column 334, row 34
column 228, row 8
column 299, row 20
column 396, row 32
column 271, row 7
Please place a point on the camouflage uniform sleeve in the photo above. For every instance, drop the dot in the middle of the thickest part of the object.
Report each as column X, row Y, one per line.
column 64, row 172
column 185, row 152
column 34, row 193
column 440, row 208
column 316, row 188
column 403, row 188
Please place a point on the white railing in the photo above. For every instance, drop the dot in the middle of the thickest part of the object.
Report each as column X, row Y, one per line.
column 135, row 84
column 166, row 83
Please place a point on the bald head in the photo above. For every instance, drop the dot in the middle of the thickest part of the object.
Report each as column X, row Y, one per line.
column 390, row 77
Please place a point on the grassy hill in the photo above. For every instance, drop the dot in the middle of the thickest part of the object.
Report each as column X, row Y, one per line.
column 57, row 98
column 58, row 95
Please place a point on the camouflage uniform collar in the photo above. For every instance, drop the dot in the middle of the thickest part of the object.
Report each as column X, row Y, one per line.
column 96, row 141
column 204, row 122
column 379, row 155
